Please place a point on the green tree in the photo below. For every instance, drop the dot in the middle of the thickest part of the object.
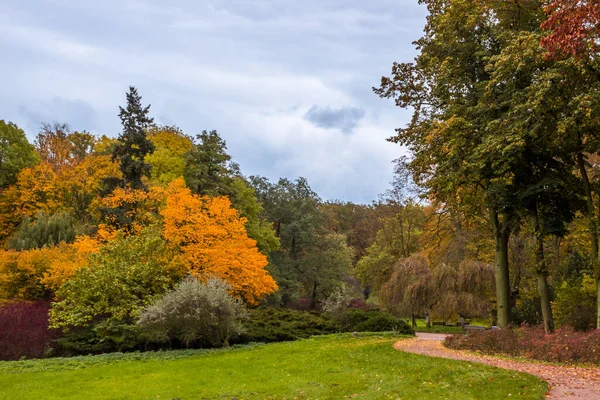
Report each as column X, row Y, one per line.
column 133, row 145
column 44, row 231
column 16, row 153
column 310, row 262
column 453, row 144
column 118, row 282
column 208, row 171
column 399, row 237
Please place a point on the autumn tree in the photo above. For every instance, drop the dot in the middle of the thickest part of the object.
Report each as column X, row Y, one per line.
column 573, row 28
column 398, row 238
column 358, row 222
column 133, row 145
column 36, row 190
column 61, row 148
column 16, row 153
column 213, row 242
column 168, row 161
column 453, row 144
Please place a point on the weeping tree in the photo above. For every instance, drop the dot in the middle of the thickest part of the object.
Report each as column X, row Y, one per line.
column 409, row 291
column 44, row 231
column 415, row 289
column 466, row 290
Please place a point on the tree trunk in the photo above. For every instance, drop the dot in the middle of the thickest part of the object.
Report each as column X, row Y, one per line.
column 541, row 271
column 542, row 285
column 501, row 236
column 593, row 226
column 313, row 300
column 428, row 320
column 413, row 320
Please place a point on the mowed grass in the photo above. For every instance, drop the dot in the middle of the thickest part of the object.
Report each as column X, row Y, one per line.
column 328, row 367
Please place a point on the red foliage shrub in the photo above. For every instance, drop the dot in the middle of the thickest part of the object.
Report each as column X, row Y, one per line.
column 564, row 345
column 359, row 304
column 24, row 330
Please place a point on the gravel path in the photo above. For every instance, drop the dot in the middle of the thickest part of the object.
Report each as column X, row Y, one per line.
column 565, row 382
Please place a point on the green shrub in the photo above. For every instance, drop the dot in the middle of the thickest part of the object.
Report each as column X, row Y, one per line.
column 98, row 337
column 575, row 303
column 203, row 314
column 282, row 324
column 376, row 321
column 123, row 278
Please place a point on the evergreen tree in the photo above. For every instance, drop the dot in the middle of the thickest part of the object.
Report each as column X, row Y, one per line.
column 133, row 145
column 208, row 171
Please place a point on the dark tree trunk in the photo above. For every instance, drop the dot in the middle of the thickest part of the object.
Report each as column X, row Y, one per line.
column 313, row 300
column 541, row 271
column 501, row 235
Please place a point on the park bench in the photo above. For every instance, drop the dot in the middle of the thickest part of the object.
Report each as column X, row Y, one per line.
column 474, row 328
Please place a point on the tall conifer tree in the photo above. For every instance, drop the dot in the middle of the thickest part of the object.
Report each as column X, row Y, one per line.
column 133, row 145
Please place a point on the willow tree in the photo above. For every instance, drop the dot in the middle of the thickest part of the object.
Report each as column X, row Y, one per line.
column 409, row 292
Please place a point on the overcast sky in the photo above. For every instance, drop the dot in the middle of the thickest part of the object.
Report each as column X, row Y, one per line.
column 286, row 83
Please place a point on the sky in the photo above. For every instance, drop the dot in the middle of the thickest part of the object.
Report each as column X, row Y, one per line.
column 287, row 84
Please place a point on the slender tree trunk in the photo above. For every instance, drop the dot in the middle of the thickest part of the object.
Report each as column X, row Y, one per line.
column 593, row 226
column 413, row 320
column 428, row 320
column 541, row 271
column 313, row 300
column 501, row 236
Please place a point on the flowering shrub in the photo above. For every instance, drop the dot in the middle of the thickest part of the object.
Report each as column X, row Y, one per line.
column 564, row 345
column 24, row 331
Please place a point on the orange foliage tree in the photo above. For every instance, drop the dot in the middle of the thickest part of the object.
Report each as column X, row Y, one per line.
column 213, row 242
column 21, row 274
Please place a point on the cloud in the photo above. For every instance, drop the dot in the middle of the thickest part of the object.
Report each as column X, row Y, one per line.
column 78, row 114
column 344, row 119
column 283, row 82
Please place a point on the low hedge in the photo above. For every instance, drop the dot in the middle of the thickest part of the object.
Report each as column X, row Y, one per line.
column 564, row 345
column 376, row 321
column 282, row 324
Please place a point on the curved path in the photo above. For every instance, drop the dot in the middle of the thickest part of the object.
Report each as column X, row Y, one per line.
column 565, row 382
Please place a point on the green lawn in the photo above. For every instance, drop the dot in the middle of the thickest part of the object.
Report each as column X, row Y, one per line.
column 329, row 367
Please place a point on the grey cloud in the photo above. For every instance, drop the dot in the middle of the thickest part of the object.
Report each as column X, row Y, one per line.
column 222, row 64
column 344, row 118
column 80, row 115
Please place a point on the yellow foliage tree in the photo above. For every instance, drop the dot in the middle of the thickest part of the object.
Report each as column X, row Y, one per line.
column 36, row 190
column 213, row 242
column 72, row 257
column 168, row 160
column 21, row 273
